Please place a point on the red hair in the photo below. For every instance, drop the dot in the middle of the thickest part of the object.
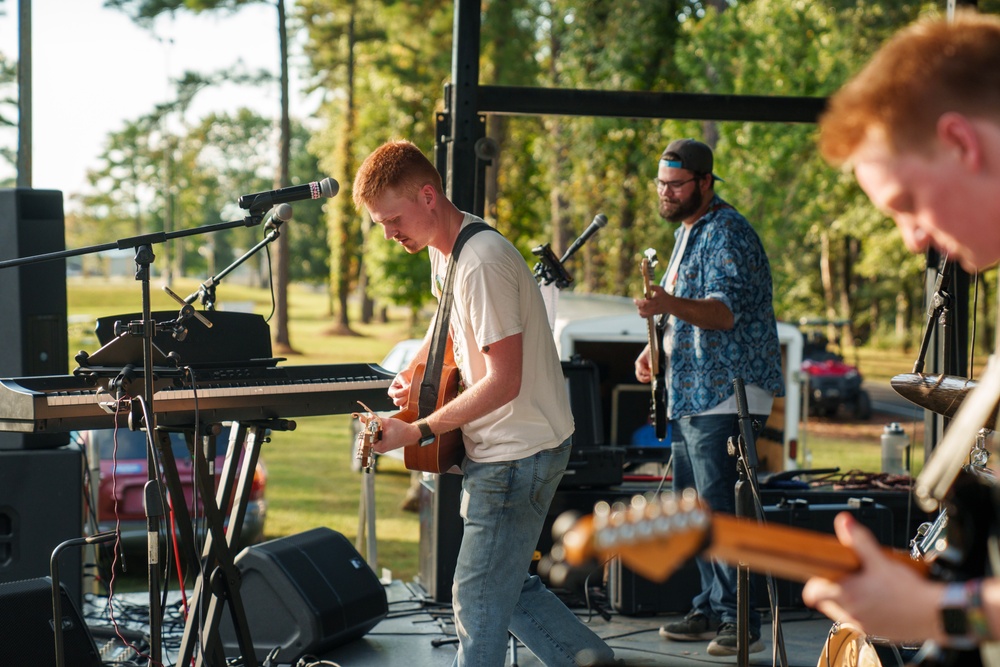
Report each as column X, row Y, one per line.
column 397, row 166
column 925, row 70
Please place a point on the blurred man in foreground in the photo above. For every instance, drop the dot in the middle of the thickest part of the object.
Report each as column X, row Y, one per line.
column 920, row 128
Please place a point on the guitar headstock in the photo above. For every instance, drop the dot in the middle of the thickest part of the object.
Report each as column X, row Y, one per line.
column 638, row 532
column 370, row 433
column 646, row 265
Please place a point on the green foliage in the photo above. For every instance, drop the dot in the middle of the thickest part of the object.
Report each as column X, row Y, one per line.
column 773, row 172
column 401, row 53
column 381, row 67
column 8, row 117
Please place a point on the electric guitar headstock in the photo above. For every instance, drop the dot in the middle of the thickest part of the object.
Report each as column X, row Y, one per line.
column 655, row 535
column 637, row 532
column 370, row 433
column 647, row 264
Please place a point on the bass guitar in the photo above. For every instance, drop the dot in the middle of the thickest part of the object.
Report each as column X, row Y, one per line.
column 657, row 361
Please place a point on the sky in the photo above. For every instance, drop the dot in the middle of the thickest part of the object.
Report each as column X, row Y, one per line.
column 93, row 69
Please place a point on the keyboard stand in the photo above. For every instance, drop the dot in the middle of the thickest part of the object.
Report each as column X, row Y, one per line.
column 218, row 582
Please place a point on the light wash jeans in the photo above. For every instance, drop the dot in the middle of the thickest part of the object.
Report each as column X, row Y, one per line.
column 702, row 461
column 504, row 506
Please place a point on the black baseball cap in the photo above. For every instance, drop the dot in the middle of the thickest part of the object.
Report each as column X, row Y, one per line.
column 689, row 154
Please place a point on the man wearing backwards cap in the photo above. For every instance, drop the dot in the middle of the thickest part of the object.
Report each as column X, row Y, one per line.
column 718, row 324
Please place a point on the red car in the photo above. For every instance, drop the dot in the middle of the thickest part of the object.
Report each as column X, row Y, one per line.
column 124, row 476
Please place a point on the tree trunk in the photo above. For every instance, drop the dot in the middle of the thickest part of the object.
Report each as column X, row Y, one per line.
column 902, row 311
column 342, row 233
column 846, row 292
column 282, row 341
column 826, row 276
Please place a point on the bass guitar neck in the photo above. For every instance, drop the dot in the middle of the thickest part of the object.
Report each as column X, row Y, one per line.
column 657, row 362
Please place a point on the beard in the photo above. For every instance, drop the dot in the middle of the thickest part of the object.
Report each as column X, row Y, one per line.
column 682, row 209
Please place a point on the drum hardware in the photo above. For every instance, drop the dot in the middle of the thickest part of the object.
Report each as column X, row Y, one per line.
column 942, row 394
column 980, row 454
column 931, row 540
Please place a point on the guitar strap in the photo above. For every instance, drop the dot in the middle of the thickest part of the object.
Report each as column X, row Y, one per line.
column 435, row 354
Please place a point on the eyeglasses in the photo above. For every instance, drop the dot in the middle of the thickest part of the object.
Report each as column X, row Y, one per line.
column 673, row 186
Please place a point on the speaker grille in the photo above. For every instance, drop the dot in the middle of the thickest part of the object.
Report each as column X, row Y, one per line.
column 305, row 593
column 33, row 297
column 28, row 635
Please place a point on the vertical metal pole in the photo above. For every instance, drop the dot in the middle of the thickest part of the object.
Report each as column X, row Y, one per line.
column 460, row 181
column 744, row 508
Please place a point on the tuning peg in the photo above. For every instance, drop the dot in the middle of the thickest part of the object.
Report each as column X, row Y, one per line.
column 561, row 574
column 563, row 523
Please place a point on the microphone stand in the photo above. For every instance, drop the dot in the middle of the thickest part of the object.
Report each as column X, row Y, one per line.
column 206, row 291
column 153, row 493
column 550, row 269
column 744, row 448
column 937, row 311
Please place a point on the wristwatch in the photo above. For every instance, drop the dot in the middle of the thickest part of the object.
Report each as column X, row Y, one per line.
column 426, row 434
column 962, row 615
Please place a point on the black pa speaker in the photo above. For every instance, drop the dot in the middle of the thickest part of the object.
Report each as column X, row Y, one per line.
column 41, row 506
column 305, row 593
column 28, row 636
column 32, row 297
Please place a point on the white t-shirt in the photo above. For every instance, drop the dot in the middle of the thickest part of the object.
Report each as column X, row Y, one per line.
column 495, row 296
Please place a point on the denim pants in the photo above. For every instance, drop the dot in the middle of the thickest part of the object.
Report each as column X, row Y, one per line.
column 702, row 461
column 503, row 508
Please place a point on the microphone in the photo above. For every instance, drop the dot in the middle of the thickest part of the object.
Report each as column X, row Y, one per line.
column 599, row 221
column 261, row 201
column 282, row 213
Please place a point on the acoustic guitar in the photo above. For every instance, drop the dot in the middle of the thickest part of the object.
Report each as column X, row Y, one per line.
column 657, row 362
column 448, row 449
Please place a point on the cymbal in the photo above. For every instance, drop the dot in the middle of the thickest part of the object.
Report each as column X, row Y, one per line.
column 942, row 394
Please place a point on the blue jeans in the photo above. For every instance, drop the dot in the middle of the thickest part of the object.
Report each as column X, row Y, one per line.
column 504, row 506
column 702, row 461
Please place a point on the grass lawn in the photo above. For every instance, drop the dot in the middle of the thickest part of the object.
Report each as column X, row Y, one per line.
column 310, row 481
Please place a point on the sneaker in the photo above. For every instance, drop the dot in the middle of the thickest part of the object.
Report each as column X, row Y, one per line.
column 692, row 628
column 725, row 642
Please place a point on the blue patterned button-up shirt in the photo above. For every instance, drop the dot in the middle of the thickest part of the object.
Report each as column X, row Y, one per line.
column 723, row 260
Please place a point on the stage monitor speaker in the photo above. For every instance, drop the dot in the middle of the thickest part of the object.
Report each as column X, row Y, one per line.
column 441, row 531
column 41, row 506
column 32, row 297
column 28, row 636
column 305, row 594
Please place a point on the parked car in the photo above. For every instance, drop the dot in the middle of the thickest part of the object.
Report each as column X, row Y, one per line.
column 401, row 354
column 124, row 476
column 832, row 381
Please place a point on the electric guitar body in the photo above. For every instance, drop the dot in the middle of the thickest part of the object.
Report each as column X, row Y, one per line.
column 658, row 366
